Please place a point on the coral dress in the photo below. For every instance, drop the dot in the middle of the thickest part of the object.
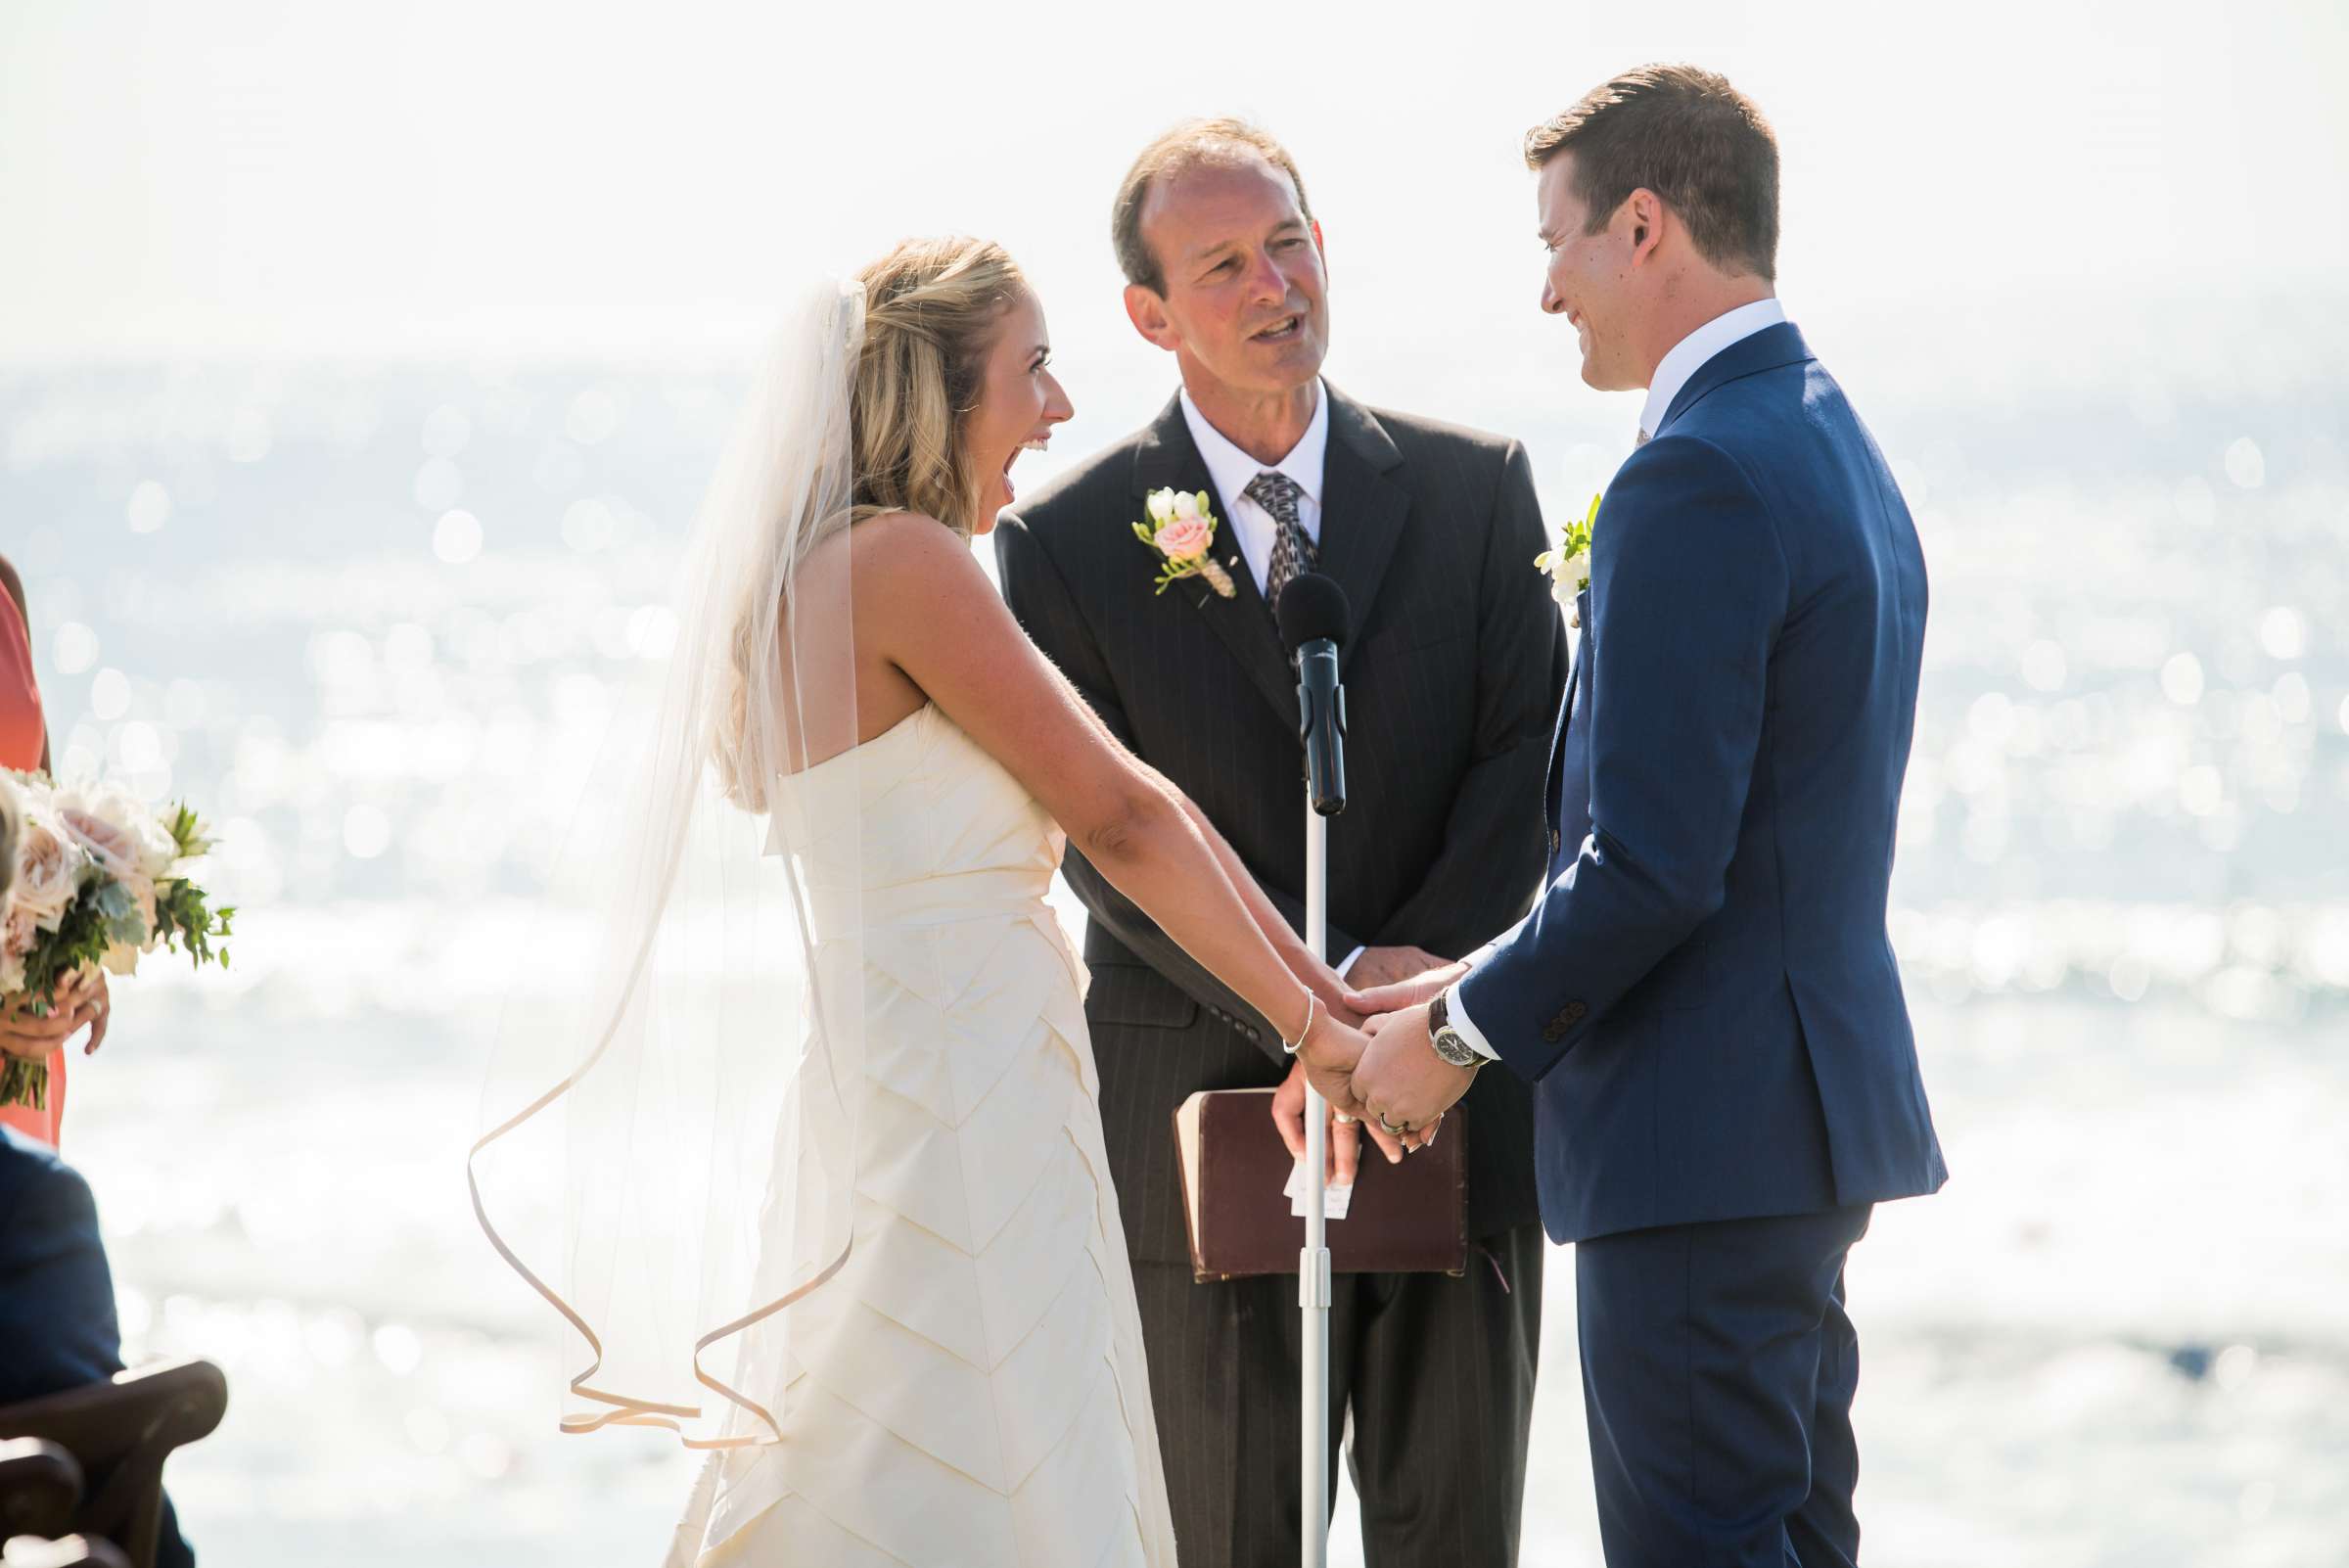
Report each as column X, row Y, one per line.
column 21, row 729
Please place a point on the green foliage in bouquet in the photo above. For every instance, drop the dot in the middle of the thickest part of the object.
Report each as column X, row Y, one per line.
column 183, row 918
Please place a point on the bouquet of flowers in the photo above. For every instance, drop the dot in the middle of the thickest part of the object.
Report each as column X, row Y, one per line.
column 100, row 879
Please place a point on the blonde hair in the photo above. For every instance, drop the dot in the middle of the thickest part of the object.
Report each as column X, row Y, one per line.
column 931, row 308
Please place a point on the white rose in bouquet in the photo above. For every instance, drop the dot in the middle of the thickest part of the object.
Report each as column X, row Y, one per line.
column 18, row 934
column 51, row 869
column 121, row 836
column 112, row 824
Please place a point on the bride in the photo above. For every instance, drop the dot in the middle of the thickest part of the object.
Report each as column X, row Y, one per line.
column 823, row 1142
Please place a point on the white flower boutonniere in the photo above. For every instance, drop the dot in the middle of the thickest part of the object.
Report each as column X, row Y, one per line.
column 1569, row 564
column 1182, row 531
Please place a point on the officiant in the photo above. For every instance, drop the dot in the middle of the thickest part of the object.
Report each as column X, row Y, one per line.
column 1454, row 676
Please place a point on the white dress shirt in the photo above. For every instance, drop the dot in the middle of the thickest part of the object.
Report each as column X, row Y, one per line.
column 1689, row 355
column 1251, row 527
column 1686, row 359
column 1233, row 470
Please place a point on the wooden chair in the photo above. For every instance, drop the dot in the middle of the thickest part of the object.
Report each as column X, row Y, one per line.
column 117, row 1434
column 40, row 1484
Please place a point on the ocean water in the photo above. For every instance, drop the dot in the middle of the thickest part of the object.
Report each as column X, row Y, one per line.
column 373, row 617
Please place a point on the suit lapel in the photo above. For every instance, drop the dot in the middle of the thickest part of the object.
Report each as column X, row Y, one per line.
column 1551, row 793
column 1169, row 457
column 1363, row 508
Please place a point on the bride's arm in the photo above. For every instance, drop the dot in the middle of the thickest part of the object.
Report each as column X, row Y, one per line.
column 1293, row 951
column 924, row 604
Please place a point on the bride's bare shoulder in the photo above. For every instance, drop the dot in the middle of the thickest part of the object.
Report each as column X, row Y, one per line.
column 906, row 550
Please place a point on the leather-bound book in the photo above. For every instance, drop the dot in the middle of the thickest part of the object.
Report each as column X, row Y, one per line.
column 1411, row 1218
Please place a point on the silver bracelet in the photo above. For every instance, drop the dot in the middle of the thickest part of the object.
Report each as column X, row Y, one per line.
column 1312, row 1001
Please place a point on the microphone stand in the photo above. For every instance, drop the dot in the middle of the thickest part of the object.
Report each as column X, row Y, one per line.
column 1312, row 1263
column 1325, row 797
column 1315, row 624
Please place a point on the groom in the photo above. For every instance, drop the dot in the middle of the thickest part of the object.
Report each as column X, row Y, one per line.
column 1705, row 996
column 1455, row 669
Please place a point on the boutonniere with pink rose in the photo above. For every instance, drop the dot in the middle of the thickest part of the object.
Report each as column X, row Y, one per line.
column 1569, row 564
column 1181, row 529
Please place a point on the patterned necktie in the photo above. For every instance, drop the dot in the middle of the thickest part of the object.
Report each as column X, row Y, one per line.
column 1639, row 441
column 1292, row 551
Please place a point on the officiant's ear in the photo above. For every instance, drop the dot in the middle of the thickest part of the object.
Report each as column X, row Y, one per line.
column 1147, row 310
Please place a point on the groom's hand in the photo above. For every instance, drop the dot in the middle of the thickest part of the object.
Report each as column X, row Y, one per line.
column 1344, row 1135
column 1401, row 1078
column 1411, row 990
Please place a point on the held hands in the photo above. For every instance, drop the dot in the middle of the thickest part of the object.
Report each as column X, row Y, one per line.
column 1345, row 1142
column 1400, row 1076
column 1370, row 999
column 1400, row 1079
column 1328, row 1059
column 80, row 1000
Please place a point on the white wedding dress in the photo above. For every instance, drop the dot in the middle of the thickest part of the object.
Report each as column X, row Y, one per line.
column 970, row 1390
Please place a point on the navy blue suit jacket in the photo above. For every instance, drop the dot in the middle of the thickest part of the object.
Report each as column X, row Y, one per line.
column 1706, row 994
column 57, row 1296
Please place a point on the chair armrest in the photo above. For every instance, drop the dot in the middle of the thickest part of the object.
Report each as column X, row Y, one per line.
column 39, row 1484
column 121, row 1432
column 164, row 1407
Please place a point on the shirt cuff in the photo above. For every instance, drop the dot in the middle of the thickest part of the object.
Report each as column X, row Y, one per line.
column 1457, row 1017
column 1350, row 958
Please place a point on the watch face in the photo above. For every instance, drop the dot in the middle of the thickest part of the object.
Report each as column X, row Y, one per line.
column 1454, row 1049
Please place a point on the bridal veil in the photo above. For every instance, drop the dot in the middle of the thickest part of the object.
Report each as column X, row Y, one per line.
column 669, row 1148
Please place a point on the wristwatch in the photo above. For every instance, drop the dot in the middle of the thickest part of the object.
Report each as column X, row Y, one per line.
column 1446, row 1039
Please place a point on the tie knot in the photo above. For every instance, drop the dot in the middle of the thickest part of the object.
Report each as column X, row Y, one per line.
column 1276, row 493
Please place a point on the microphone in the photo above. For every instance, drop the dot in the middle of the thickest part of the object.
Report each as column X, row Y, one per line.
column 1315, row 622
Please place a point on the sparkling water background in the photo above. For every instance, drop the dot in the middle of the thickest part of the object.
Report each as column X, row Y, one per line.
column 373, row 616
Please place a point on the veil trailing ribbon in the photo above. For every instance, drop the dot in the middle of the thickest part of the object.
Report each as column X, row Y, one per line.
column 669, row 1153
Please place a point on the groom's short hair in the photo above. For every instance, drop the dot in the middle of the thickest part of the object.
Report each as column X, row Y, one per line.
column 1220, row 140
column 1687, row 135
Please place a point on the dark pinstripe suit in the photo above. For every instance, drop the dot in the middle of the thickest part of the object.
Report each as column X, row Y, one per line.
column 1452, row 679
